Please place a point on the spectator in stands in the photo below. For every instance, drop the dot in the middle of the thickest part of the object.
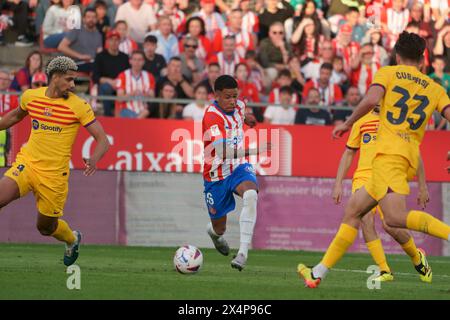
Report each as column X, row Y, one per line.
column 339, row 8
column 195, row 28
column 127, row 45
column 352, row 98
column 244, row 40
column 167, row 41
column 417, row 16
column 364, row 69
column 284, row 114
column 330, row 94
column 397, row 18
column 177, row 17
column 284, row 79
column 83, row 44
column 108, row 65
column 166, row 110
column 7, row 101
column 247, row 90
column 103, row 23
column 212, row 73
column 174, row 75
column 305, row 40
column 442, row 46
column 256, row 72
column 56, row 23
column 228, row 58
column 154, row 62
column 352, row 18
column 250, row 20
column 346, row 48
column 274, row 11
column 139, row 17
column 439, row 67
column 22, row 79
column 213, row 20
column 440, row 11
column 311, row 70
column 191, row 66
column 38, row 80
column 196, row 110
column 338, row 75
column 19, row 24
column 135, row 82
column 375, row 37
column 274, row 52
column 309, row 10
column 313, row 115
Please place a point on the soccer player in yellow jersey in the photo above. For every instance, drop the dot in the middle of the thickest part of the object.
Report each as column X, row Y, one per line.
column 407, row 98
column 42, row 165
column 363, row 137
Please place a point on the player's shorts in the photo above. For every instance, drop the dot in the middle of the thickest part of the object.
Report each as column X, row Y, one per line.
column 219, row 194
column 390, row 173
column 360, row 182
column 50, row 189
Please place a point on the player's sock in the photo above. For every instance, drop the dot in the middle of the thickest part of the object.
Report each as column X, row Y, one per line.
column 247, row 220
column 424, row 222
column 411, row 250
column 319, row 271
column 213, row 233
column 344, row 238
column 376, row 250
column 63, row 232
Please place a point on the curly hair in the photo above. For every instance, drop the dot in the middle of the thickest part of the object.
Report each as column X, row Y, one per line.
column 60, row 64
column 410, row 46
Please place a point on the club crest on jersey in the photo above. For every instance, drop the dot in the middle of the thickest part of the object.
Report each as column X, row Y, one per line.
column 215, row 131
column 366, row 138
column 48, row 112
column 18, row 170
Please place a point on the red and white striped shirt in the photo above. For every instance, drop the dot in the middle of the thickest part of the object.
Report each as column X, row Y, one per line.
column 363, row 76
column 212, row 23
column 219, row 126
column 250, row 22
column 330, row 95
column 244, row 41
column 131, row 84
column 7, row 103
column 347, row 53
column 127, row 46
column 177, row 17
column 274, row 97
column 226, row 66
column 397, row 21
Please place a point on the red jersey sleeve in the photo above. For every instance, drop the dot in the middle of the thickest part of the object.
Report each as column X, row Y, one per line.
column 120, row 81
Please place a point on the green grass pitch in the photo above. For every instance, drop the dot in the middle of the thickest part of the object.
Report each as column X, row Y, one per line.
column 29, row 271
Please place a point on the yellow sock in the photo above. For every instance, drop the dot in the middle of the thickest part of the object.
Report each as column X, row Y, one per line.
column 376, row 250
column 411, row 250
column 424, row 222
column 63, row 232
column 344, row 238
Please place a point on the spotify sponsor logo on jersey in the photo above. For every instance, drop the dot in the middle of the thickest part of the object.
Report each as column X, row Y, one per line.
column 36, row 125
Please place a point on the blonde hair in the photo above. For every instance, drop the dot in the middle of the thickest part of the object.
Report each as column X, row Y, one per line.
column 60, row 64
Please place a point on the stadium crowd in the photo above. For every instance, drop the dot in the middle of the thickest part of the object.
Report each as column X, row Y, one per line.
column 313, row 52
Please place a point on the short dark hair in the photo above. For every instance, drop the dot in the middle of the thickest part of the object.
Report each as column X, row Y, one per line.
column 151, row 38
column 410, row 46
column 284, row 73
column 353, row 9
column 326, row 65
column 250, row 54
column 138, row 52
column 120, row 22
column 439, row 57
column 100, row 3
column 175, row 58
column 287, row 89
column 225, row 82
column 87, row 10
column 214, row 64
column 200, row 85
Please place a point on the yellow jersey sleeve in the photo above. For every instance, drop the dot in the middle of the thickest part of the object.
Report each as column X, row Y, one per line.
column 382, row 77
column 85, row 114
column 444, row 102
column 24, row 99
column 354, row 139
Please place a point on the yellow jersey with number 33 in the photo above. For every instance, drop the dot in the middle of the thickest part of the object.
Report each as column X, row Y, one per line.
column 409, row 100
column 54, row 127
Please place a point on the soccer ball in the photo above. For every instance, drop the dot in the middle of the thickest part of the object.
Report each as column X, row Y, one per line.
column 188, row 259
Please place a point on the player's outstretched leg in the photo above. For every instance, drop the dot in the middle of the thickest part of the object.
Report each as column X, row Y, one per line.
column 359, row 204
column 375, row 247
column 247, row 190
column 418, row 257
column 60, row 230
column 216, row 229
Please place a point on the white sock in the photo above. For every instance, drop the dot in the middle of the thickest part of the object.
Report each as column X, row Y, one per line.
column 211, row 229
column 247, row 220
column 319, row 271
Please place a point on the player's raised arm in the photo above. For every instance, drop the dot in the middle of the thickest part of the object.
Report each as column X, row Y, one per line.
column 96, row 130
column 370, row 100
column 12, row 117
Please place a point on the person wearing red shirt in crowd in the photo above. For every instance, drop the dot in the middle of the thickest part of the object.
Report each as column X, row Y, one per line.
column 177, row 16
column 7, row 101
column 330, row 94
column 228, row 58
column 195, row 28
column 127, row 45
column 213, row 20
column 247, row 90
column 256, row 75
column 284, row 79
column 364, row 69
column 244, row 40
column 344, row 46
column 311, row 70
column 135, row 82
column 22, row 79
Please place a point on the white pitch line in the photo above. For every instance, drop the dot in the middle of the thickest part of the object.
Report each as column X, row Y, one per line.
column 395, row 273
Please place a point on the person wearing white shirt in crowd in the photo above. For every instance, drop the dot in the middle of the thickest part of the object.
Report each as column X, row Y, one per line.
column 167, row 41
column 139, row 17
column 281, row 115
column 196, row 110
